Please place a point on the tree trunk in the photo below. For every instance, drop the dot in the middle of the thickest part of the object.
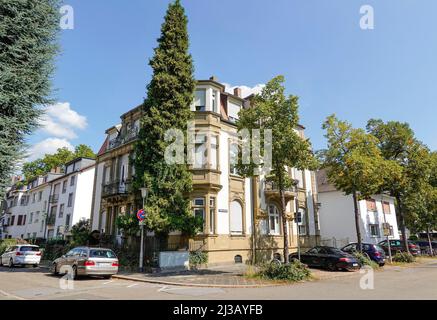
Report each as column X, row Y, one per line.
column 431, row 250
column 357, row 221
column 284, row 220
column 402, row 224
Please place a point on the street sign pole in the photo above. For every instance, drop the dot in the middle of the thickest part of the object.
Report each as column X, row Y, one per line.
column 142, row 248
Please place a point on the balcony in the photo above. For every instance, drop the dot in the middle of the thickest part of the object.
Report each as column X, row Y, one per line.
column 54, row 198
column 271, row 191
column 51, row 220
column 116, row 189
column 129, row 136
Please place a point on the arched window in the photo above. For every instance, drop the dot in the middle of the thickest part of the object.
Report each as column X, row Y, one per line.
column 273, row 220
column 238, row 259
column 236, row 218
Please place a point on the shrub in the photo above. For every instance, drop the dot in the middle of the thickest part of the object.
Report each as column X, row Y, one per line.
column 4, row 244
column 365, row 260
column 403, row 257
column 198, row 258
column 294, row 271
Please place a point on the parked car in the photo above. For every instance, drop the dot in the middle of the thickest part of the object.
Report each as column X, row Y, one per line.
column 424, row 246
column 396, row 246
column 328, row 257
column 23, row 254
column 87, row 261
column 374, row 251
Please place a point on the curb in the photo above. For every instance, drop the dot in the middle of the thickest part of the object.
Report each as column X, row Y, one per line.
column 198, row 285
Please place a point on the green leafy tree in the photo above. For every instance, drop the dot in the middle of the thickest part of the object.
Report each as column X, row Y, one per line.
column 80, row 233
column 170, row 95
column 398, row 144
column 62, row 156
column 272, row 110
column 28, row 45
column 420, row 203
column 354, row 163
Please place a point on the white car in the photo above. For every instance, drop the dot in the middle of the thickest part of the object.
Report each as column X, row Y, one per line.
column 23, row 254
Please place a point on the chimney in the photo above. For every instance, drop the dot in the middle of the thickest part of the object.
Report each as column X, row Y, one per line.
column 213, row 78
column 237, row 92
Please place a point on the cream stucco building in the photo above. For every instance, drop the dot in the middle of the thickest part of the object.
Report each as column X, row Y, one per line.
column 241, row 215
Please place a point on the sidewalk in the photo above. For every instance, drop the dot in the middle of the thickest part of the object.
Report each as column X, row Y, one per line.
column 227, row 276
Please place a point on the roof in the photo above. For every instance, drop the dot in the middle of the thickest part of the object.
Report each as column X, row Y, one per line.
column 104, row 146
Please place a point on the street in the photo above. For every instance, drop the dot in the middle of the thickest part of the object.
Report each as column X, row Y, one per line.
column 418, row 282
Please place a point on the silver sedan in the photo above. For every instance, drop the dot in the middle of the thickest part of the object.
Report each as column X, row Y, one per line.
column 87, row 261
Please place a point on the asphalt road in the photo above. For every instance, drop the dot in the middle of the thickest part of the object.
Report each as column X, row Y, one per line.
column 418, row 282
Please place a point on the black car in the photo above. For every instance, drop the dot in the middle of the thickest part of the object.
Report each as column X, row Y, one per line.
column 424, row 246
column 328, row 257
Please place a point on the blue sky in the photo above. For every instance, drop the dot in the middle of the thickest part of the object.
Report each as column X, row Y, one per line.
column 327, row 59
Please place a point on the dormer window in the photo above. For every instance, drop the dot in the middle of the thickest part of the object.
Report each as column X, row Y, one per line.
column 200, row 100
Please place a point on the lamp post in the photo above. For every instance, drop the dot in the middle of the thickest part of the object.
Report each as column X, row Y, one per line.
column 144, row 196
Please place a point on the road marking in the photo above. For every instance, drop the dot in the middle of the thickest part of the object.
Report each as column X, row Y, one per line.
column 108, row 282
column 11, row 295
column 162, row 289
column 133, row 285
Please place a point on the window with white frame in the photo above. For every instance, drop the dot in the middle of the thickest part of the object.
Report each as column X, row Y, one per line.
column 200, row 152
column 374, row 230
column 212, row 208
column 236, row 218
column 72, row 180
column 274, row 222
column 213, row 161
column 199, row 208
column 233, row 157
column 301, row 221
column 200, row 100
column 70, row 200
column 61, row 210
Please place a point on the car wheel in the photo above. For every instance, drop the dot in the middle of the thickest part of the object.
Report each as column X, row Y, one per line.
column 107, row 277
column 11, row 263
column 331, row 266
column 74, row 275
column 54, row 269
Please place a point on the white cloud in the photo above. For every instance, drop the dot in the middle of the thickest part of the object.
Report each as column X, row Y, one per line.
column 61, row 121
column 47, row 146
column 245, row 90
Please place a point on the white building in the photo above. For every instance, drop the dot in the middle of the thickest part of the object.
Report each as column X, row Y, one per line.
column 337, row 216
column 49, row 205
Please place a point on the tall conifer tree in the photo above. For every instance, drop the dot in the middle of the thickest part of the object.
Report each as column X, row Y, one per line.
column 170, row 95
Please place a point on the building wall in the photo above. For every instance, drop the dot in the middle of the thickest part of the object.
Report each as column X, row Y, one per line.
column 337, row 219
column 84, row 194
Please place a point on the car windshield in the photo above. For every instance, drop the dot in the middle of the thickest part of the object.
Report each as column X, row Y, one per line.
column 99, row 253
column 29, row 248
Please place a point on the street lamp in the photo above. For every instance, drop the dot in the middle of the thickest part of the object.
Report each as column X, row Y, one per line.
column 144, row 196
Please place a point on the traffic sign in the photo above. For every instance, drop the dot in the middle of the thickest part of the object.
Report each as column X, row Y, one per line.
column 141, row 215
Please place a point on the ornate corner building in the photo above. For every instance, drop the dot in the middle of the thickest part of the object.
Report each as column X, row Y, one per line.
column 241, row 215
